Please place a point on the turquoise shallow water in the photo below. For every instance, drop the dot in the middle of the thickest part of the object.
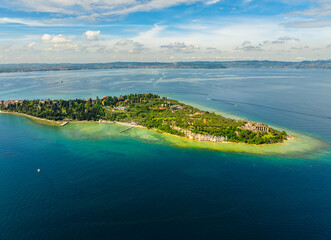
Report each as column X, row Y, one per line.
column 97, row 184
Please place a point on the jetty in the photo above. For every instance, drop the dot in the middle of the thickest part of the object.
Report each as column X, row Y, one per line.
column 127, row 129
column 64, row 123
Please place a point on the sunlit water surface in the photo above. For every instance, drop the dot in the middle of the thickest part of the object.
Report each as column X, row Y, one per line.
column 98, row 184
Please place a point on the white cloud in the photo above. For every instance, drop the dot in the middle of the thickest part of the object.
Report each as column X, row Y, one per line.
column 322, row 8
column 62, row 47
column 247, row 46
column 309, row 24
column 299, row 47
column 6, row 49
column 213, row 50
column 23, row 21
column 30, row 45
column 283, row 40
column 96, row 7
column 301, row 58
column 128, row 46
column 92, row 35
column 46, row 38
column 205, row 43
column 212, row 2
column 54, row 38
column 181, row 47
column 155, row 31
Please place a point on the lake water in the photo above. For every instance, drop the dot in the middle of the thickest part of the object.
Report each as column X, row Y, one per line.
column 97, row 184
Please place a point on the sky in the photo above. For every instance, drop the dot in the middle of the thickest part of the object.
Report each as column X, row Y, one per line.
column 87, row 31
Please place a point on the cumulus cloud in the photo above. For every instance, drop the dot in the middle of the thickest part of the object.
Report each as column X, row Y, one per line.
column 92, row 35
column 247, row 46
column 280, row 40
column 30, row 45
column 59, row 43
column 128, row 46
column 181, row 47
column 159, row 43
column 283, row 40
column 213, row 50
column 299, row 48
column 5, row 48
column 126, row 42
column 54, row 38
column 63, row 47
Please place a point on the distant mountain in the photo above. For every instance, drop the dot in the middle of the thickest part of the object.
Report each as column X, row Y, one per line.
column 320, row 64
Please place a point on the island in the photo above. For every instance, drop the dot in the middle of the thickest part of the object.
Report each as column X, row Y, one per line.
column 150, row 111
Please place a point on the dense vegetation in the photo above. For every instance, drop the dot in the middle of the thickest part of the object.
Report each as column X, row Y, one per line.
column 147, row 110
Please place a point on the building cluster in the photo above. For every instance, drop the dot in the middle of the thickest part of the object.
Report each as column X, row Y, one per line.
column 103, row 100
column 15, row 102
column 10, row 102
column 176, row 107
column 93, row 101
column 48, row 101
column 120, row 108
column 255, row 127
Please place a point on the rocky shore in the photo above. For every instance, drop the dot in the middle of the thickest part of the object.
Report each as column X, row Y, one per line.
column 200, row 137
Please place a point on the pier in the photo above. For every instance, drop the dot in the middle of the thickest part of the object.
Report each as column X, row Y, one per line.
column 126, row 129
column 64, row 123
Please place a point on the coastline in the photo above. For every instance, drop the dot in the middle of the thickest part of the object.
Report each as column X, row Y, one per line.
column 303, row 145
column 37, row 119
column 297, row 144
column 128, row 124
column 290, row 138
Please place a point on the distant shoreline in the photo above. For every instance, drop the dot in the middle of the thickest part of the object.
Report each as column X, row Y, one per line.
column 42, row 67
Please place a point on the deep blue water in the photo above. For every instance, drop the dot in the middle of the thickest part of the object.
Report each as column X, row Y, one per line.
column 124, row 188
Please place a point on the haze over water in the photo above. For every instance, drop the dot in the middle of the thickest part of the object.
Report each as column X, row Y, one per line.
column 97, row 184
